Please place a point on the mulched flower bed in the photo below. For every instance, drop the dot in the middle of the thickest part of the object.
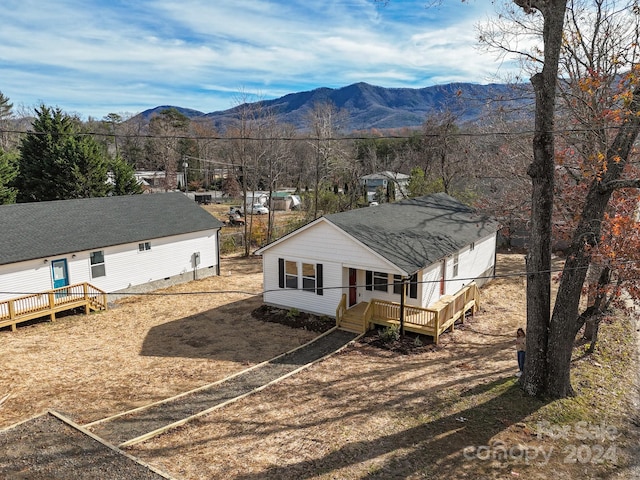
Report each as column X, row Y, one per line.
column 293, row 319
column 409, row 344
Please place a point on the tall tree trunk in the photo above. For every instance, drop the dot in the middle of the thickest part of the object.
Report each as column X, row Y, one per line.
column 541, row 171
column 565, row 319
column 591, row 316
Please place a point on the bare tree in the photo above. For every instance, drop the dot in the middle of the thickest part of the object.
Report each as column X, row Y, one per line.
column 326, row 122
column 588, row 50
column 165, row 148
column 444, row 155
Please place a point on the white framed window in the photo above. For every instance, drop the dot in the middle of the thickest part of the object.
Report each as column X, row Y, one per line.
column 309, row 277
column 97, row 264
column 294, row 274
column 397, row 285
column 456, row 261
column 291, row 274
column 380, row 281
column 143, row 246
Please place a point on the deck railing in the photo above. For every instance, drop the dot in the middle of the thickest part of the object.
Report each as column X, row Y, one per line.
column 48, row 303
column 342, row 307
column 431, row 321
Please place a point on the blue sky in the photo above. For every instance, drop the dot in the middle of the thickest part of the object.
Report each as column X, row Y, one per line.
column 94, row 57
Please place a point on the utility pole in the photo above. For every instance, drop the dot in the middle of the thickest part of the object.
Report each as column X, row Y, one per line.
column 185, row 165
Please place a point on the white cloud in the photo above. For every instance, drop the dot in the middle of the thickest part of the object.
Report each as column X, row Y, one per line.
column 96, row 56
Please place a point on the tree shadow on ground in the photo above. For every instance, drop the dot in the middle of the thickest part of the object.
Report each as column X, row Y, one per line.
column 438, row 448
column 227, row 333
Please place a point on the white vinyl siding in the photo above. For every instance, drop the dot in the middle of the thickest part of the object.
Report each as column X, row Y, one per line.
column 311, row 246
column 125, row 266
column 323, row 243
column 429, row 288
column 472, row 263
column 322, row 302
column 23, row 278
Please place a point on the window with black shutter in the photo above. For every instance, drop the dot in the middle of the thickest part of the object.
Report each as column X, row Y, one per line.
column 319, row 290
column 413, row 286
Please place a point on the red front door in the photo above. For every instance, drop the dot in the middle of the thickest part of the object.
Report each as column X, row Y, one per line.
column 353, row 291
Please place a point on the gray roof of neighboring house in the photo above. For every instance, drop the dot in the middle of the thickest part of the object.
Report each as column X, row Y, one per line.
column 395, row 176
column 417, row 232
column 44, row 229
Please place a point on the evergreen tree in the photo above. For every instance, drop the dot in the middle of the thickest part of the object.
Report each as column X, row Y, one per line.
column 420, row 185
column 8, row 171
column 124, row 179
column 6, row 112
column 57, row 161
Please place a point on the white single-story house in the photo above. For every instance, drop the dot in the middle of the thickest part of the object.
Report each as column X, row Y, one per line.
column 434, row 245
column 393, row 185
column 120, row 244
column 257, row 197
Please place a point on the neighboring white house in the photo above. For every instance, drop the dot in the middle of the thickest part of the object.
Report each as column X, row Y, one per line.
column 435, row 244
column 392, row 185
column 118, row 244
column 258, row 197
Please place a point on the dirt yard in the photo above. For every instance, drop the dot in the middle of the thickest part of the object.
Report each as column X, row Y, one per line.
column 365, row 413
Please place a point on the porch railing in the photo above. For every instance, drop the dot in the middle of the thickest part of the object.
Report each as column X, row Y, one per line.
column 432, row 321
column 342, row 307
column 48, row 303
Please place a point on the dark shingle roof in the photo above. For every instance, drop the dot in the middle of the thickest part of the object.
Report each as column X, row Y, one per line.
column 44, row 229
column 417, row 232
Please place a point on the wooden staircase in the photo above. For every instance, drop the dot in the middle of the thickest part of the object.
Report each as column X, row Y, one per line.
column 352, row 320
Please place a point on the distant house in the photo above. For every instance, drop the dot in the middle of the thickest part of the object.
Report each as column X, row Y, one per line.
column 258, row 197
column 434, row 246
column 285, row 201
column 391, row 185
column 159, row 181
column 117, row 244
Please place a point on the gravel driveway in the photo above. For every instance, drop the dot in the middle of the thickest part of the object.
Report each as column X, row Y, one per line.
column 51, row 447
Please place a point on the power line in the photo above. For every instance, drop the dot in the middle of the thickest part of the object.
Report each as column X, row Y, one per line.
column 243, row 292
column 418, row 134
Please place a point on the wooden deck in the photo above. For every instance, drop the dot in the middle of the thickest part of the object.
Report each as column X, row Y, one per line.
column 50, row 302
column 432, row 321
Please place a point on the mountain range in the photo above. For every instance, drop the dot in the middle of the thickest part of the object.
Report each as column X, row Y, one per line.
column 372, row 107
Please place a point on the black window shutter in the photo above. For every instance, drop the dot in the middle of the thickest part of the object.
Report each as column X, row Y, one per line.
column 413, row 286
column 281, row 272
column 369, row 280
column 319, row 279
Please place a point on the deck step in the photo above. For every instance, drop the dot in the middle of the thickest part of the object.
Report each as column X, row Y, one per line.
column 351, row 328
column 352, row 325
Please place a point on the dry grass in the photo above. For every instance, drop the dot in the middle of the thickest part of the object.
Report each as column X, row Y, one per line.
column 145, row 348
column 365, row 413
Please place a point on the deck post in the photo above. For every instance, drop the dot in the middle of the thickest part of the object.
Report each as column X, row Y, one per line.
column 402, row 294
column 85, row 289
column 12, row 314
column 52, row 304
